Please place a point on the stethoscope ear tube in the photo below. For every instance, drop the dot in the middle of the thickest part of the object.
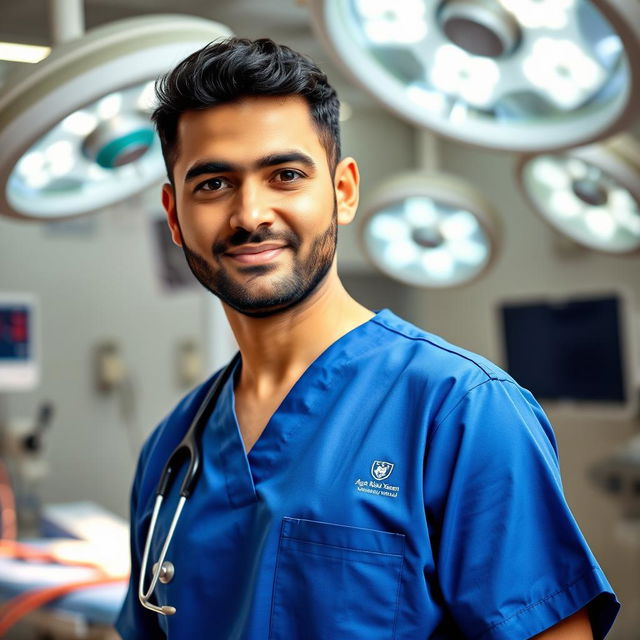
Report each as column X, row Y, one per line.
column 187, row 449
column 166, row 479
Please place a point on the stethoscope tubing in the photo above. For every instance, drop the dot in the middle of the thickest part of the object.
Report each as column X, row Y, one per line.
column 188, row 449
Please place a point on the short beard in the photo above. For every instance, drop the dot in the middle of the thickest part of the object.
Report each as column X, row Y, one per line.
column 289, row 291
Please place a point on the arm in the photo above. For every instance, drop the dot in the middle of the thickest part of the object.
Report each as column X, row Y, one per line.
column 575, row 627
column 494, row 496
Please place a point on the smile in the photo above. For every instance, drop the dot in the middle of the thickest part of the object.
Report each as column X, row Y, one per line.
column 256, row 254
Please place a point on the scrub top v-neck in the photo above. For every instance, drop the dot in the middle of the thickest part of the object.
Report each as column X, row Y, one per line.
column 285, row 430
column 394, row 494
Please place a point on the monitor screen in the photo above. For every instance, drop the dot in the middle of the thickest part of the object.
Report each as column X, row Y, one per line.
column 571, row 350
column 14, row 333
column 18, row 352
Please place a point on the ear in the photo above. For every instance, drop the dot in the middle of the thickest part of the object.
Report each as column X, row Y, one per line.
column 347, row 189
column 169, row 204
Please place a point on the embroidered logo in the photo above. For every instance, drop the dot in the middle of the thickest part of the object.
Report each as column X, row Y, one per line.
column 381, row 469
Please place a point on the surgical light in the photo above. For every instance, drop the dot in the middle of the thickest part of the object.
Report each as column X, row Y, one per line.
column 590, row 194
column 75, row 132
column 519, row 75
column 430, row 230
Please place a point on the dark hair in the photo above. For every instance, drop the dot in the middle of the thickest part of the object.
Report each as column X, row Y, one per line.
column 222, row 72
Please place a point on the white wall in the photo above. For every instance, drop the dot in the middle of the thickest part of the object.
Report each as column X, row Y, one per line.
column 94, row 279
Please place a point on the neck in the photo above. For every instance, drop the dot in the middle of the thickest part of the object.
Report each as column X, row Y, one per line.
column 276, row 350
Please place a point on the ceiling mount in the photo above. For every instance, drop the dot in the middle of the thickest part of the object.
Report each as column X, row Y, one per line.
column 485, row 29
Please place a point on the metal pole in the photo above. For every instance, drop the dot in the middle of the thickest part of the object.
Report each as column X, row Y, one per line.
column 66, row 20
column 427, row 151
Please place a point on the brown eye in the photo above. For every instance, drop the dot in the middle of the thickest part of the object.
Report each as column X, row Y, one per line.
column 288, row 175
column 213, row 184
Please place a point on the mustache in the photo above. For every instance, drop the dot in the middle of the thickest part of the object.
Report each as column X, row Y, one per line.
column 242, row 236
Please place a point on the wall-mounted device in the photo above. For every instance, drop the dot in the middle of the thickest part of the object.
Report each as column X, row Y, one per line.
column 619, row 476
column 576, row 352
column 19, row 349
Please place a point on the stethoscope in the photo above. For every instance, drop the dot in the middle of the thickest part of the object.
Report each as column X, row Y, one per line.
column 187, row 450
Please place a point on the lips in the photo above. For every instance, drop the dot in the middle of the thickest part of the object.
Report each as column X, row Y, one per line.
column 256, row 253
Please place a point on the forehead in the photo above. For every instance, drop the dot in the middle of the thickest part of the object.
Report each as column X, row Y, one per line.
column 246, row 129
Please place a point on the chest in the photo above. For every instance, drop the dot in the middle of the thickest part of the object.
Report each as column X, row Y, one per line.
column 319, row 517
column 253, row 414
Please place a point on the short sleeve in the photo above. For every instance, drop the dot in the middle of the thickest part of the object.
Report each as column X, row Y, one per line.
column 134, row 621
column 510, row 558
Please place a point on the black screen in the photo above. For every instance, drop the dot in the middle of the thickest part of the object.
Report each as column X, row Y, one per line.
column 570, row 350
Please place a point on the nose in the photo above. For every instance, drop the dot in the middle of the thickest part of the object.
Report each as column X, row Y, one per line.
column 251, row 208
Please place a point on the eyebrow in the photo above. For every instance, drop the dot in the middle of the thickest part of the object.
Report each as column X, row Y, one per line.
column 271, row 160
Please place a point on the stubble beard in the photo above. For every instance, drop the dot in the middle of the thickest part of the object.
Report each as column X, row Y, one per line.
column 287, row 291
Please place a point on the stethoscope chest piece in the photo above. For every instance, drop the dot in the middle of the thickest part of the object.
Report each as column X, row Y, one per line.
column 167, row 571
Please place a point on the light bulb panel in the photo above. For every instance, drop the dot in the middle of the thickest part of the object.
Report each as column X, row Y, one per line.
column 430, row 230
column 517, row 75
column 75, row 133
column 590, row 194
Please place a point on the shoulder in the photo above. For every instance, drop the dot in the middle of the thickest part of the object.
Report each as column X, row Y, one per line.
column 444, row 371
column 436, row 351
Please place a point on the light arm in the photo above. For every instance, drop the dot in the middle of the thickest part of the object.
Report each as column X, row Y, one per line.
column 575, row 627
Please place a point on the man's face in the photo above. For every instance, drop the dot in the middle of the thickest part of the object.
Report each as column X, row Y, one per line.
column 254, row 203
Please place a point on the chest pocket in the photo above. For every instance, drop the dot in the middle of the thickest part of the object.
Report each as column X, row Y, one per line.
column 334, row 582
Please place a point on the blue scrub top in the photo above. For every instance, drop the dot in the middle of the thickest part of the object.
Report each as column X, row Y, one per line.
column 405, row 488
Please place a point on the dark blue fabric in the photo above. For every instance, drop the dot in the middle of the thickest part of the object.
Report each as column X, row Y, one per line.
column 404, row 489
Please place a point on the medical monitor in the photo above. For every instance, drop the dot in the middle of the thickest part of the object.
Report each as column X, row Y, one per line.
column 574, row 350
column 19, row 366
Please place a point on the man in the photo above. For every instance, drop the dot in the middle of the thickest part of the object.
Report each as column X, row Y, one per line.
column 361, row 478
